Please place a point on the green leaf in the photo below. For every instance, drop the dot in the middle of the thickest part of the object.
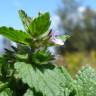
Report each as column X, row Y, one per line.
column 86, row 82
column 42, row 57
column 49, row 81
column 15, row 35
column 63, row 37
column 3, row 85
column 26, row 20
column 29, row 93
column 40, row 25
column 6, row 92
column 32, row 92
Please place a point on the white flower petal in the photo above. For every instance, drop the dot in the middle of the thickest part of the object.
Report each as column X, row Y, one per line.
column 57, row 41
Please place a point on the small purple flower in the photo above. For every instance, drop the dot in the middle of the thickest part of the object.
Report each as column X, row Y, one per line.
column 53, row 37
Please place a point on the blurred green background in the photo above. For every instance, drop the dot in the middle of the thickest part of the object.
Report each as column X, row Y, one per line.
column 80, row 23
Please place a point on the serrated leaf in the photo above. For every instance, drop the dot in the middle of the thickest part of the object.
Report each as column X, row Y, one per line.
column 86, row 82
column 26, row 20
column 51, row 82
column 29, row 93
column 6, row 92
column 40, row 25
column 15, row 35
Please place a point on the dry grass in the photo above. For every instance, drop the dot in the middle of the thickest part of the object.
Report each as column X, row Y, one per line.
column 74, row 61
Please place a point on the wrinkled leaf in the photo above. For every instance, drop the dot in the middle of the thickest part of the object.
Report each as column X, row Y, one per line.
column 86, row 82
column 51, row 82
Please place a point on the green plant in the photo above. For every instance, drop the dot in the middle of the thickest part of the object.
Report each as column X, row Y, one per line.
column 28, row 69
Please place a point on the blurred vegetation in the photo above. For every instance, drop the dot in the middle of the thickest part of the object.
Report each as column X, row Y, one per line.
column 74, row 61
column 81, row 26
column 80, row 49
